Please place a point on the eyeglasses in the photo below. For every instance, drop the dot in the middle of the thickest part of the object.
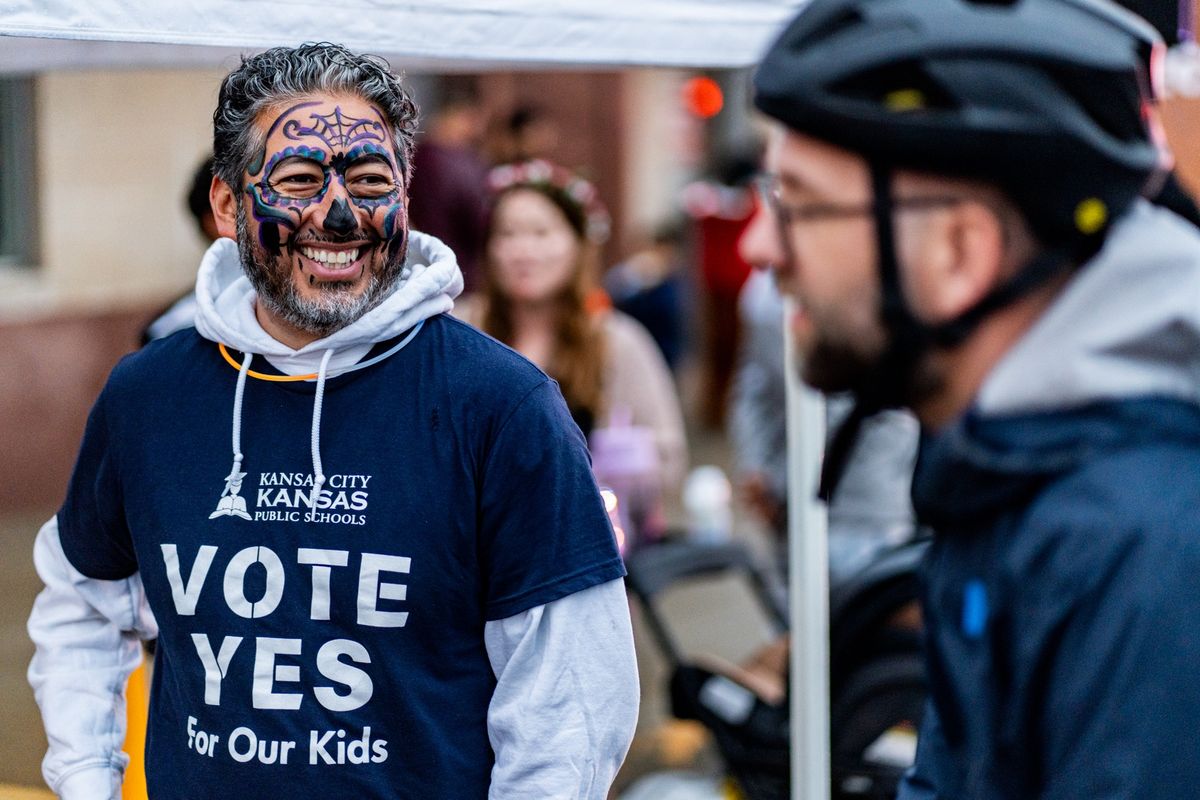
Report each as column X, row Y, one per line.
column 771, row 195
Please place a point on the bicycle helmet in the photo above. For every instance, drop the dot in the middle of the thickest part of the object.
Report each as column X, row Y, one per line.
column 1048, row 99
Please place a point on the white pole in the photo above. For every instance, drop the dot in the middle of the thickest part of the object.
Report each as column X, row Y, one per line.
column 808, row 584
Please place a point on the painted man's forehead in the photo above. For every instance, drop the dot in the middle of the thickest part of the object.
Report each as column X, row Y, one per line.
column 338, row 123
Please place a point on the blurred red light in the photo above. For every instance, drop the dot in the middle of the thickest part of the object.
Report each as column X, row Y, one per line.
column 703, row 97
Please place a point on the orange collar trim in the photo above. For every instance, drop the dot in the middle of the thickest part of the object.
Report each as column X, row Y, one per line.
column 261, row 375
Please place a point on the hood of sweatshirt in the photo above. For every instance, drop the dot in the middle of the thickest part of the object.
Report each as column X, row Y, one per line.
column 1128, row 325
column 1113, row 363
column 225, row 305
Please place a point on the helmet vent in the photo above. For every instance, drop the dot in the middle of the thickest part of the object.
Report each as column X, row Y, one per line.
column 898, row 88
column 1111, row 105
column 846, row 19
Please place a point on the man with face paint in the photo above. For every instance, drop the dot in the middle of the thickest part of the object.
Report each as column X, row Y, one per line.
column 329, row 233
column 366, row 536
column 956, row 199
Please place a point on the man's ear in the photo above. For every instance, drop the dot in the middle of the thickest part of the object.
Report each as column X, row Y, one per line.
column 966, row 264
column 224, row 207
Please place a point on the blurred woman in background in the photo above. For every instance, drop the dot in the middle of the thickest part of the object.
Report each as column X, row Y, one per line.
column 541, row 298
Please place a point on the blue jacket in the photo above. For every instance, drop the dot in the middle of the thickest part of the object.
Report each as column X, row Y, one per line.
column 1062, row 591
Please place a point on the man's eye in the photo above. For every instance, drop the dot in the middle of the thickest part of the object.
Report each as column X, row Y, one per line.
column 297, row 180
column 300, row 185
column 370, row 185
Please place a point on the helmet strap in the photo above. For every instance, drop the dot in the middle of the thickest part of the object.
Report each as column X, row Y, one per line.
column 1040, row 270
column 886, row 384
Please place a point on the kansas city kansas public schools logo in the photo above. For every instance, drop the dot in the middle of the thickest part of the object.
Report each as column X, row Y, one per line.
column 231, row 503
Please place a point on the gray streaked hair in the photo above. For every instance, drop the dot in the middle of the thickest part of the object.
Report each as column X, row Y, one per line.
column 281, row 74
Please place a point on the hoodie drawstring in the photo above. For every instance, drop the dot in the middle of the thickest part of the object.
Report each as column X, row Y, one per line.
column 240, row 392
column 318, row 474
column 231, row 503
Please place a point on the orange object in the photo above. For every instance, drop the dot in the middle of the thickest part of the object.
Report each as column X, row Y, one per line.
column 703, row 97
column 262, row 376
column 137, row 713
column 597, row 301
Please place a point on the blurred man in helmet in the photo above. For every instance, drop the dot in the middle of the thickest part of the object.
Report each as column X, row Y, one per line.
column 954, row 198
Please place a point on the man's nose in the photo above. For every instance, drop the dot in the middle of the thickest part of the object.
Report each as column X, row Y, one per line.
column 340, row 219
column 760, row 246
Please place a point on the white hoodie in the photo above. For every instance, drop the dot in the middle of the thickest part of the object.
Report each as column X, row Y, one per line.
column 1128, row 324
column 547, row 743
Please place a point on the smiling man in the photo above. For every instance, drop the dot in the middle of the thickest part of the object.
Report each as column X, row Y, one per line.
column 956, row 200
column 366, row 536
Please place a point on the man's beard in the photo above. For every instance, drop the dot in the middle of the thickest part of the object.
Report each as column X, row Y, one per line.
column 882, row 377
column 833, row 366
column 337, row 305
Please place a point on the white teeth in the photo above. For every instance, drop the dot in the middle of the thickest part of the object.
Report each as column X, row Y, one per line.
column 329, row 256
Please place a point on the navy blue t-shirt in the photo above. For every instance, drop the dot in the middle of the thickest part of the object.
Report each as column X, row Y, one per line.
column 335, row 651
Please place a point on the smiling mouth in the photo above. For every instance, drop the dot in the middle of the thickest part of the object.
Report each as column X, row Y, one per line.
column 332, row 258
column 339, row 262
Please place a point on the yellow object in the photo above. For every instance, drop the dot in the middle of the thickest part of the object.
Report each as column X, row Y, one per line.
column 261, row 375
column 8, row 792
column 680, row 742
column 904, row 100
column 1091, row 215
column 137, row 710
column 731, row 791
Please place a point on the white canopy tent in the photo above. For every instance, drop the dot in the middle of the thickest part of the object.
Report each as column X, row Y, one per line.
column 475, row 35
column 467, row 34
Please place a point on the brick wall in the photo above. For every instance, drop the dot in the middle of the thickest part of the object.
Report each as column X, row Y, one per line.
column 50, row 373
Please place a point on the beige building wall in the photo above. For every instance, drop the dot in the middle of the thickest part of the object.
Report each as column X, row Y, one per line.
column 115, row 152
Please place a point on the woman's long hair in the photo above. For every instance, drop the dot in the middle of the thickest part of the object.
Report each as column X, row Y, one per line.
column 577, row 362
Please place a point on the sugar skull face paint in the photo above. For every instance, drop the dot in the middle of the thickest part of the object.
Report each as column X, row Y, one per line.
column 327, row 230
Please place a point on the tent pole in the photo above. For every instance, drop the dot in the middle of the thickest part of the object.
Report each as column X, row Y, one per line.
column 808, row 584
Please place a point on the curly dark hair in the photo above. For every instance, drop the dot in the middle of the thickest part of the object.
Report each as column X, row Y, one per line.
column 282, row 74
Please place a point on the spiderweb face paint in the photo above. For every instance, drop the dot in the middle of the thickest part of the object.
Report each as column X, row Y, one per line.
column 323, row 234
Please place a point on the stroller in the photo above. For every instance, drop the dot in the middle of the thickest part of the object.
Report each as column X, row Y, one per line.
column 877, row 684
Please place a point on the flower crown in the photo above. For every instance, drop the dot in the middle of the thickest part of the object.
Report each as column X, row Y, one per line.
column 539, row 172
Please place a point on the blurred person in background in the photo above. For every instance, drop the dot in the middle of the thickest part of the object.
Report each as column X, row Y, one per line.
column 648, row 286
column 541, row 298
column 526, row 133
column 182, row 312
column 448, row 197
column 955, row 197
column 757, row 431
column 870, row 509
column 721, row 209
